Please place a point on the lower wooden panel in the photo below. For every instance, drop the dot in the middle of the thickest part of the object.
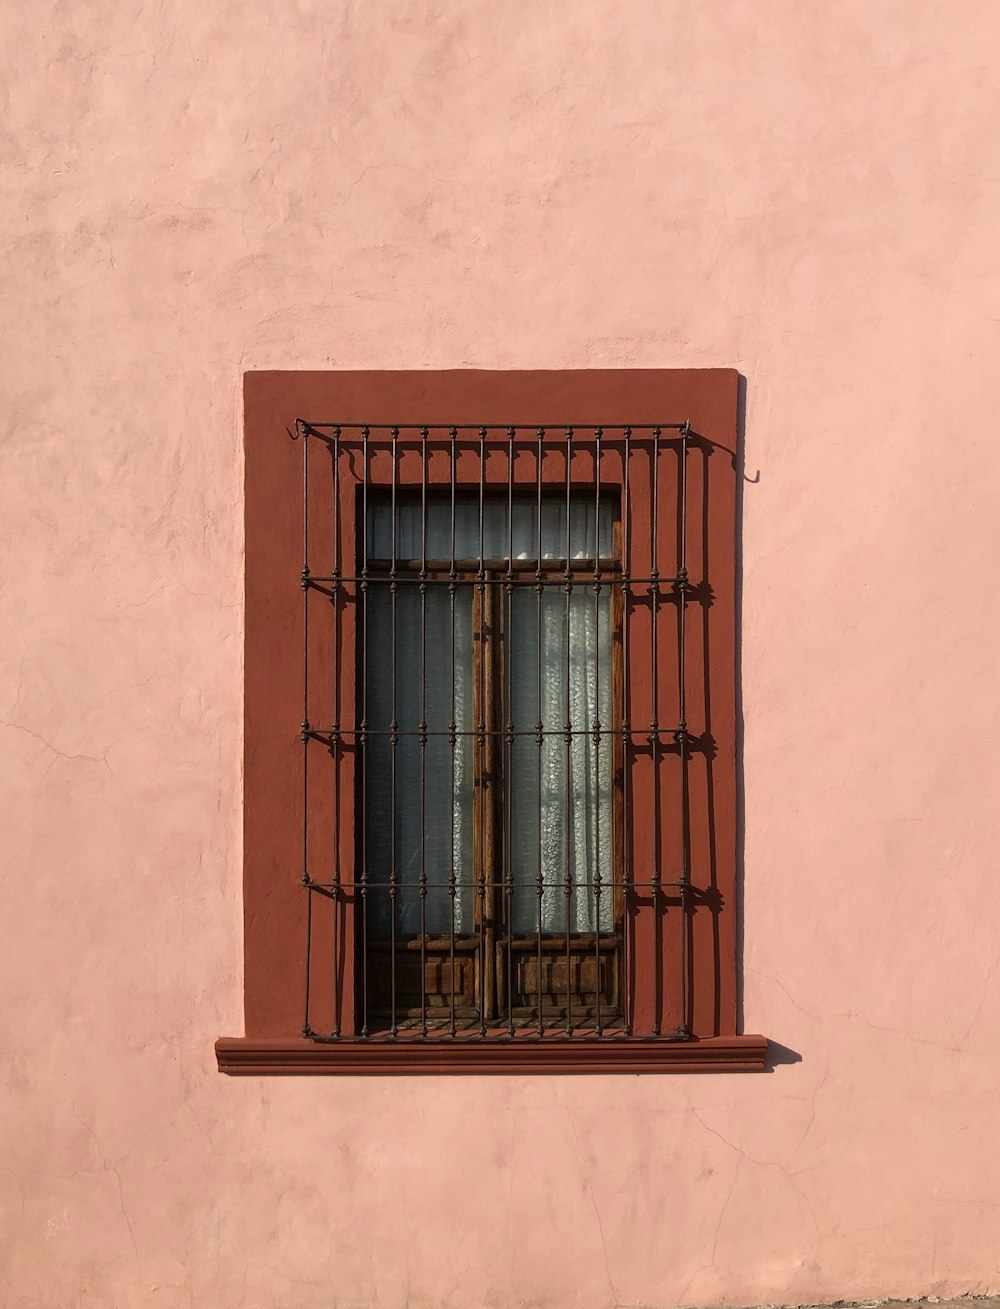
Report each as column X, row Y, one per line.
column 440, row 982
column 247, row 1056
column 580, row 976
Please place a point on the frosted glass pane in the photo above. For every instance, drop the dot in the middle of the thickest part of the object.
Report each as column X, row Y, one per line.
column 556, row 649
column 561, row 821
column 494, row 540
column 446, row 829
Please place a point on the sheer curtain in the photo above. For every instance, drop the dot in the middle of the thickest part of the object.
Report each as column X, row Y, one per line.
column 584, row 529
column 557, row 670
column 560, row 794
column 438, row 832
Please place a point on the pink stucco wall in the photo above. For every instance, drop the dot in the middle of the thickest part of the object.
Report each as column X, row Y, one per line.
column 808, row 192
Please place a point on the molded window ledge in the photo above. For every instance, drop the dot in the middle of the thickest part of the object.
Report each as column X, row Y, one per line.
column 270, row 1057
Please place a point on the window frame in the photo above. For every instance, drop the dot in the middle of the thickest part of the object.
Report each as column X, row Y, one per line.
column 274, row 908
column 492, row 943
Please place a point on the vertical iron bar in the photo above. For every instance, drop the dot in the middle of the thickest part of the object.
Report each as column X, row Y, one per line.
column 508, row 654
column 538, row 720
column 393, row 742
column 596, row 724
column 335, row 736
column 681, row 735
column 654, row 732
column 364, row 732
column 568, row 728
column 481, row 736
column 626, row 835
column 423, row 729
column 304, row 435
column 452, row 731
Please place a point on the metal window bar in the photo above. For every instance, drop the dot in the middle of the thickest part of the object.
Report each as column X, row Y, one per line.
column 423, row 724
column 596, row 724
column 480, row 675
column 452, row 882
column 336, row 749
column 499, row 1006
column 363, row 736
column 539, row 729
column 508, row 758
column 567, row 682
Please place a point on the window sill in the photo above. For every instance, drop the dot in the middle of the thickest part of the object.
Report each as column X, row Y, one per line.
column 269, row 1057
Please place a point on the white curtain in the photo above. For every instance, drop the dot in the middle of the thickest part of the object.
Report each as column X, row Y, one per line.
column 560, row 822
column 561, row 793
column 586, row 527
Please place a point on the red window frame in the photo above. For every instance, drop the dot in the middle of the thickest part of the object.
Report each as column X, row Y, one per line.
column 275, row 909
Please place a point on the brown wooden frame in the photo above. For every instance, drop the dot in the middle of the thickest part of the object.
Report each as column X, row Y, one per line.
column 274, row 909
column 489, row 789
column 585, row 943
column 488, row 819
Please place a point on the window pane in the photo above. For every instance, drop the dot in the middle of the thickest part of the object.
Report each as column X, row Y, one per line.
column 561, row 814
column 561, row 821
column 445, row 830
column 583, row 533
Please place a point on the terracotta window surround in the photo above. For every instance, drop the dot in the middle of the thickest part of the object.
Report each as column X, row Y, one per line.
column 275, row 911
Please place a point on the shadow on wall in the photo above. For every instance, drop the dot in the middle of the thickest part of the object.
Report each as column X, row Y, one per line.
column 777, row 1055
column 780, row 1054
column 713, row 819
column 741, row 483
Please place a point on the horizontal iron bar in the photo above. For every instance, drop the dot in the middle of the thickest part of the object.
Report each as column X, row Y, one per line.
column 476, row 884
column 500, row 733
column 528, row 429
column 551, row 1037
column 518, row 579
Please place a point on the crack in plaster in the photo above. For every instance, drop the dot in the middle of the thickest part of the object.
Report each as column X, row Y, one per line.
column 60, row 754
column 982, row 1001
column 73, row 758
column 809, row 1126
column 593, row 1201
column 857, row 1018
column 201, row 595
column 510, row 1194
column 111, row 1167
column 760, row 1163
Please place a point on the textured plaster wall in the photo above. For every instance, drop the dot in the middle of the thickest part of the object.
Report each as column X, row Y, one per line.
column 808, row 192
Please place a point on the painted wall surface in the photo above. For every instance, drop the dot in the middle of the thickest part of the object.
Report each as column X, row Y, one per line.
column 808, row 192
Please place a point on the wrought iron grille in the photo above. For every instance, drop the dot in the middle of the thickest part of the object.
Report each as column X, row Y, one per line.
column 495, row 745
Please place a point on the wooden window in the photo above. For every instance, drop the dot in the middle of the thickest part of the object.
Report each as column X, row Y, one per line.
column 493, row 861
column 538, row 873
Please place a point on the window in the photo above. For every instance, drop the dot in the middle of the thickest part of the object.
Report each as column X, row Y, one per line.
column 506, row 836
column 490, row 753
